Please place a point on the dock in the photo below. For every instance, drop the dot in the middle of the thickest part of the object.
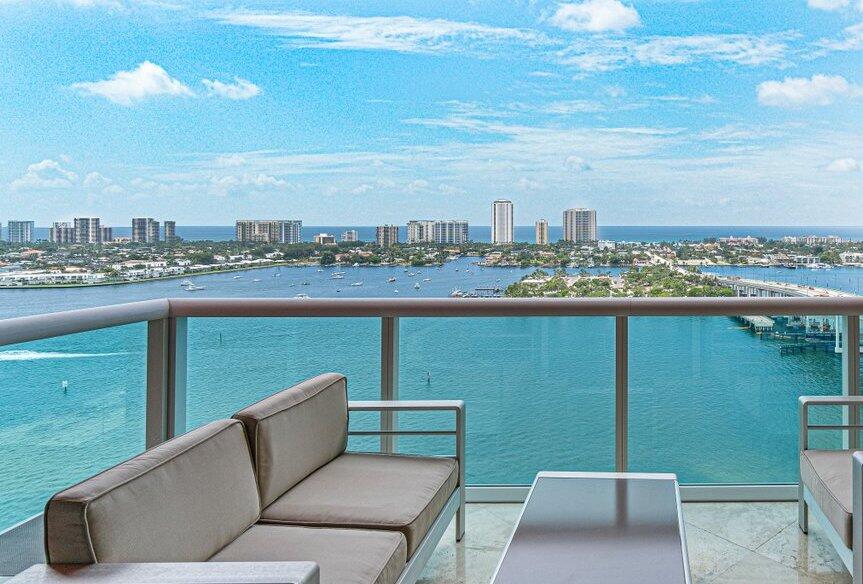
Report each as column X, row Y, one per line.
column 759, row 324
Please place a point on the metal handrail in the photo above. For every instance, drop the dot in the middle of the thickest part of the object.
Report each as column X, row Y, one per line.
column 43, row 326
column 57, row 324
column 478, row 307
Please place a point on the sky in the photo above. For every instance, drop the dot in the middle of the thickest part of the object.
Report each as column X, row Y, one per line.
column 653, row 112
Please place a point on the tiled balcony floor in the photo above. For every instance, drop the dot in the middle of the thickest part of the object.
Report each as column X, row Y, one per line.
column 740, row 543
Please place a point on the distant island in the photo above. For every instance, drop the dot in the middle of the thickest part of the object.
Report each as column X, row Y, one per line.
column 649, row 281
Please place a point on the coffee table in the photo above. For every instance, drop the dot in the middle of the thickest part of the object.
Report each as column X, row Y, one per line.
column 598, row 528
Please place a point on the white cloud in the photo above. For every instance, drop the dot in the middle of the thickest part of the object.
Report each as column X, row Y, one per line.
column 843, row 165
column 851, row 40
column 596, row 16
column 391, row 33
column 128, row 87
column 230, row 160
column 577, row 163
column 47, row 174
column 606, row 54
column 795, row 92
column 239, row 89
column 827, row 4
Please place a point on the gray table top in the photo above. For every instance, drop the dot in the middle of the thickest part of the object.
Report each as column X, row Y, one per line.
column 603, row 528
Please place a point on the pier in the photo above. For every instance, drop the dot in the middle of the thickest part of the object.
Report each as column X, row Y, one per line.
column 759, row 324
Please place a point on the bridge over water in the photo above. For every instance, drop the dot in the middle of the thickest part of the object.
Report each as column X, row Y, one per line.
column 762, row 288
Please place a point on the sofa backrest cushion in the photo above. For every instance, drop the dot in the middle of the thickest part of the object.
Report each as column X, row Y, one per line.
column 181, row 501
column 296, row 431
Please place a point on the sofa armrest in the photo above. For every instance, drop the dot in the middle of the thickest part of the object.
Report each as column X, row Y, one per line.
column 808, row 401
column 173, row 573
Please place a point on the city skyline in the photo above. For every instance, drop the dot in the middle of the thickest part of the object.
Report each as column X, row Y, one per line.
column 655, row 112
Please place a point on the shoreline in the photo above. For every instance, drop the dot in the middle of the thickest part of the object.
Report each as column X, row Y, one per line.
column 277, row 264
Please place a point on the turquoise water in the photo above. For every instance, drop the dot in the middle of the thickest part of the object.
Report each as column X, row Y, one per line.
column 708, row 400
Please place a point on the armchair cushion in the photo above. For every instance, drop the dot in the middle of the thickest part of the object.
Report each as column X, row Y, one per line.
column 181, row 501
column 828, row 476
column 345, row 556
column 296, row 431
column 371, row 491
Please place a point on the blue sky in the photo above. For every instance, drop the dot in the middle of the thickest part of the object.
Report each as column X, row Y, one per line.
column 651, row 111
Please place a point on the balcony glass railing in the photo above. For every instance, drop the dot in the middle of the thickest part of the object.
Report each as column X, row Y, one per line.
column 540, row 390
column 716, row 402
column 69, row 407
column 678, row 385
column 233, row 362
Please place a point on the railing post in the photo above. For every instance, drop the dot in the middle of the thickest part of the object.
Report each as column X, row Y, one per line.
column 389, row 377
column 621, row 393
column 851, row 375
column 166, row 379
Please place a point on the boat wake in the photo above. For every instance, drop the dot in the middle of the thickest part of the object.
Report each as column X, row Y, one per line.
column 23, row 355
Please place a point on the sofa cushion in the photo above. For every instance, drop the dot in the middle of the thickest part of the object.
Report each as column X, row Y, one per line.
column 296, row 431
column 181, row 501
column 372, row 491
column 345, row 556
column 827, row 474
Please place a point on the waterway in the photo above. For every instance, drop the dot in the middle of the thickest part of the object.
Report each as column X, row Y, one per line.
column 709, row 401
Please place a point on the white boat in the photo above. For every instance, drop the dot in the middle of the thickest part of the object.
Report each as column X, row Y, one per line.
column 395, row 291
column 193, row 288
column 337, row 275
column 357, row 284
column 277, row 275
column 411, row 274
column 302, row 296
column 426, row 279
column 356, row 264
column 237, row 277
column 391, row 279
column 185, row 283
column 320, row 269
column 305, row 283
column 256, row 280
column 417, row 286
column 456, row 293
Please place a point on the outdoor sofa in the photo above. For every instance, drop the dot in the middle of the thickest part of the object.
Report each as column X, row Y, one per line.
column 273, row 484
column 831, row 482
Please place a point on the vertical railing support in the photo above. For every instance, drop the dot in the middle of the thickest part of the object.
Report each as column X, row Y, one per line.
column 621, row 393
column 389, row 378
column 166, row 379
column 851, row 375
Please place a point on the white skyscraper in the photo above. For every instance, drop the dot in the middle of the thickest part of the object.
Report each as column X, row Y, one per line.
column 501, row 221
column 579, row 225
column 541, row 229
column 20, row 231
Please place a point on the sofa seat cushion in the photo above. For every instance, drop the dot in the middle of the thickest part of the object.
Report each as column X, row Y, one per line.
column 371, row 491
column 827, row 474
column 345, row 556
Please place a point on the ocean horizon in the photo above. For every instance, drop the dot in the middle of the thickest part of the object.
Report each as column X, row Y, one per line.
column 526, row 234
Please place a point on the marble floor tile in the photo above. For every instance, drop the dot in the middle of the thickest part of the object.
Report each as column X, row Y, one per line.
column 749, row 525
column 710, row 555
column 810, row 553
column 756, row 568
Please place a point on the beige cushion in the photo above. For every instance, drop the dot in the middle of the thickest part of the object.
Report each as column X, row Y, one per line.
column 827, row 474
column 296, row 431
column 345, row 556
column 181, row 501
column 373, row 491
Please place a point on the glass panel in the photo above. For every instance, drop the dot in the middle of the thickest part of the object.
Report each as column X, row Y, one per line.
column 539, row 391
column 69, row 407
column 234, row 362
column 715, row 401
